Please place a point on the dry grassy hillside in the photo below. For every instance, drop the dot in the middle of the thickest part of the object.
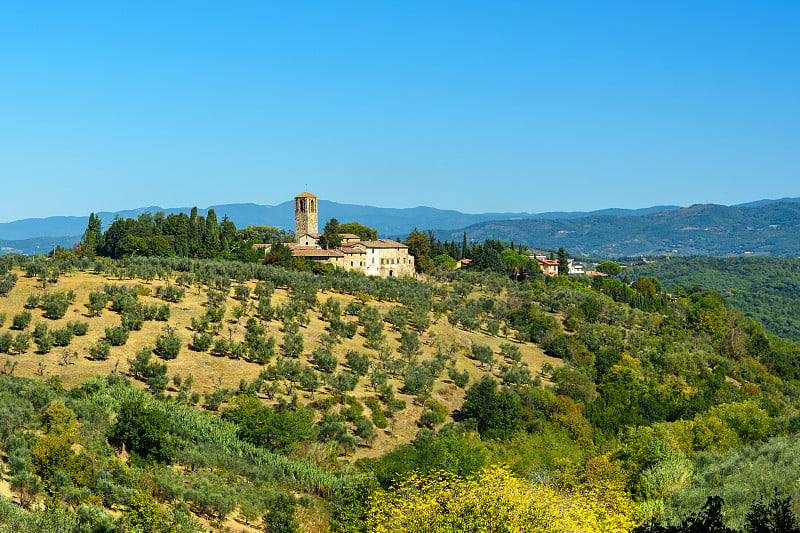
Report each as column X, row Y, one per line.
column 73, row 364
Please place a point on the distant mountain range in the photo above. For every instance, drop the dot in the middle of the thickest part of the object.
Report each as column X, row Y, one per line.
column 709, row 230
column 765, row 227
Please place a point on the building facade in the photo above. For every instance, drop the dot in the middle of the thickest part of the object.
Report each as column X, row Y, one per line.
column 386, row 258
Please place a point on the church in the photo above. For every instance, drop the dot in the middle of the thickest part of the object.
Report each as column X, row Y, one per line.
column 383, row 257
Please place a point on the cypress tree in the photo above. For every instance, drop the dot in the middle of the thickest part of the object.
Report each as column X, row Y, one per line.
column 212, row 240
column 563, row 263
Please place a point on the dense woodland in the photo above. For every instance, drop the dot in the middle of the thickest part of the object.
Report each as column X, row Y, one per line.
column 521, row 395
column 765, row 288
column 178, row 234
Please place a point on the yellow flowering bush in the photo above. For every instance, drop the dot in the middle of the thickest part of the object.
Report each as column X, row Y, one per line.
column 494, row 501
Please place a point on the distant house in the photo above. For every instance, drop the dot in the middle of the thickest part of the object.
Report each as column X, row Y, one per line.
column 549, row 266
column 575, row 268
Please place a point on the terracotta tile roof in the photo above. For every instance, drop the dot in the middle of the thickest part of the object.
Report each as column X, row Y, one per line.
column 305, row 194
column 349, row 236
column 351, row 250
column 316, row 252
column 381, row 243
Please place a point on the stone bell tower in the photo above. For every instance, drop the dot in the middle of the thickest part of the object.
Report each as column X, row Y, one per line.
column 305, row 214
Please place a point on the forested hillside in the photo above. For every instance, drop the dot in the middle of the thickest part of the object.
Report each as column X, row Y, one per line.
column 177, row 394
column 765, row 288
column 710, row 230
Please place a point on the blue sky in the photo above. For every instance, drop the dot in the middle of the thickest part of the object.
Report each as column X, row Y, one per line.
column 476, row 106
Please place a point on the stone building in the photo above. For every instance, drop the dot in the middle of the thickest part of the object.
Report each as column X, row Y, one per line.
column 305, row 215
column 384, row 257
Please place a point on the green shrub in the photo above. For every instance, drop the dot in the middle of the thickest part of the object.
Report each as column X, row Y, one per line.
column 353, row 410
column 420, row 320
column 325, row 360
column 264, row 290
column 44, row 343
column 437, row 408
column 201, row 342
column 78, row 328
column 349, row 329
column 215, row 314
column 162, row 313
column 144, row 431
column 97, row 302
column 171, row 293
column 40, row 330
column 378, row 417
column 117, row 335
column 365, row 430
column 358, row 363
column 343, row 381
column 7, row 283
column 221, row 347
column 132, row 321
column 21, row 320
column 21, row 342
column 6, row 340
column 354, row 308
column 63, row 336
column 168, row 345
column 428, row 419
column 241, row 293
column 293, row 344
column 482, row 353
column 55, row 305
column 511, row 351
column 417, row 379
column 100, row 351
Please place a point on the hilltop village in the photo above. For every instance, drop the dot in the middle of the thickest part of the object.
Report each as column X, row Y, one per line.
column 382, row 257
column 350, row 246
